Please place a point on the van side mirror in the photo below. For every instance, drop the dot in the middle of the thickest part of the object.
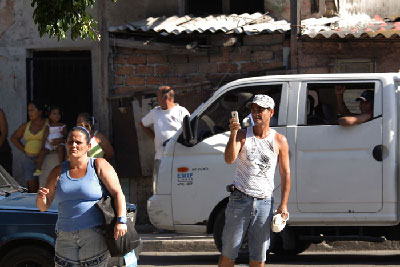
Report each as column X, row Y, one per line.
column 189, row 131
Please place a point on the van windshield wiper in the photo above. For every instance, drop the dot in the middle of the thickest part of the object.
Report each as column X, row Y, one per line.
column 8, row 192
column 5, row 193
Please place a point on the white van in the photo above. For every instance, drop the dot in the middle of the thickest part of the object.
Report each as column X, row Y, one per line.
column 344, row 180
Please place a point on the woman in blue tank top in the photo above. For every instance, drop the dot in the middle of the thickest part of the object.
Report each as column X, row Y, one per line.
column 76, row 186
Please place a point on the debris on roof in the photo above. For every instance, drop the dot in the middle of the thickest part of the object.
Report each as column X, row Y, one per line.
column 350, row 26
column 244, row 23
column 342, row 26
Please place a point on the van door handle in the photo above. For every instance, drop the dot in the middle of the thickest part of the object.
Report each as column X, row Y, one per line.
column 377, row 153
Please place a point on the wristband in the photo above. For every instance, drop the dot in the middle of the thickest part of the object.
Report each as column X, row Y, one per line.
column 121, row 219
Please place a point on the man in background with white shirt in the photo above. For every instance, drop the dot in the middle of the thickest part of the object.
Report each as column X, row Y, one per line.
column 166, row 118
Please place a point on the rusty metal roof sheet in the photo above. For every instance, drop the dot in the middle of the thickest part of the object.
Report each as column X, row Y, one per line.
column 343, row 26
column 240, row 24
column 354, row 26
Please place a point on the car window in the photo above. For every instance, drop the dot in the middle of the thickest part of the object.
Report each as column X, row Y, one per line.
column 215, row 119
column 322, row 107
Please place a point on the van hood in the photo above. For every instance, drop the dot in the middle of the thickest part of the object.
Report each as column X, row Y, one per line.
column 22, row 201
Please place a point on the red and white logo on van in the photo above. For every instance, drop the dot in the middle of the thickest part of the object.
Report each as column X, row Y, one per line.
column 185, row 177
column 183, row 169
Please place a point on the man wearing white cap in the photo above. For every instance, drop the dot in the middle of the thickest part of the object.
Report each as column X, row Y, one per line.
column 250, row 208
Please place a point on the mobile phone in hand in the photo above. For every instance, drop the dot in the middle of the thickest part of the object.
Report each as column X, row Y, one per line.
column 235, row 115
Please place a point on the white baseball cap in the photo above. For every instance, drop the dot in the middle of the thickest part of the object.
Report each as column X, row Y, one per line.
column 263, row 101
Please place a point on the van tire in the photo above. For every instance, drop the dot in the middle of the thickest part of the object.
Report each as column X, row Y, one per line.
column 28, row 256
column 277, row 246
column 218, row 228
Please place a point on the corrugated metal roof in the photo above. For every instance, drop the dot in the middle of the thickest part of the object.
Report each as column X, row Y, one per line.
column 352, row 26
column 344, row 26
column 244, row 23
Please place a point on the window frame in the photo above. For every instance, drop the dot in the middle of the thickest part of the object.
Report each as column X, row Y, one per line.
column 340, row 65
column 283, row 104
column 302, row 107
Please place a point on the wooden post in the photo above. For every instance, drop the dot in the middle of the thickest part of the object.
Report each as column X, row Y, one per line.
column 226, row 7
column 294, row 32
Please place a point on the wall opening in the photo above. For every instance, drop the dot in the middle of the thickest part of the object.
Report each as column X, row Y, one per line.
column 63, row 79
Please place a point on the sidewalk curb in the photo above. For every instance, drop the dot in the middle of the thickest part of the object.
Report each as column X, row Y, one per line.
column 354, row 246
column 174, row 242
column 179, row 246
column 190, row 243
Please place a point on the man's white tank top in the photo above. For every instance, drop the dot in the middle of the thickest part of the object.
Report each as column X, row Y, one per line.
column 256, row 165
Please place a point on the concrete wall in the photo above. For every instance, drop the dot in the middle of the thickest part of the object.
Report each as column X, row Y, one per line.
column 280, row 9
column 19, row 37
column 385, row 9
column 124, row 11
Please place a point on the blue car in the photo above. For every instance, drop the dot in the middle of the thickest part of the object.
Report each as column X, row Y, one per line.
column 27, row 236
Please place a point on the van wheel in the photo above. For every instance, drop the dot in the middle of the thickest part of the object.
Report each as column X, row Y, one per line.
column 28, row 256
column 277, row 246
column 218, row 228
column 217, row 232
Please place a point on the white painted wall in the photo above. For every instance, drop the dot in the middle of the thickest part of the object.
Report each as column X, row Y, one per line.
column 19, row 36
column 387, row 8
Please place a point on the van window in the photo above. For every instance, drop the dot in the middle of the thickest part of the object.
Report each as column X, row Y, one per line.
column 215, row 119
column 321, row 104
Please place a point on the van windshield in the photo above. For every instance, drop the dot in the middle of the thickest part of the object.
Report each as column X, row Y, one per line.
column 215, row 119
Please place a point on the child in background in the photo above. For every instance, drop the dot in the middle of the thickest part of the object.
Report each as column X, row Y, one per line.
column 100, row 146
column 53, row 138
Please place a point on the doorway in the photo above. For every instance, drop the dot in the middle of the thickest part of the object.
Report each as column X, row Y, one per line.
column 63, row 79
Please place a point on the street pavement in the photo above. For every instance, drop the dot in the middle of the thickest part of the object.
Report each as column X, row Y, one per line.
column 363, row 258
column 178, row 250
column 176, row 242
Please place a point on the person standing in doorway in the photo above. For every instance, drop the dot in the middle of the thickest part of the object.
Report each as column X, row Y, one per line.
column 100, row 147
column 32, row 132
column 5, row 149
column 257, row 150
column 53, row 139
column 166, row 118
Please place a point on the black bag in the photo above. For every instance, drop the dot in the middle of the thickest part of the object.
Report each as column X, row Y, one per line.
column 124, row 244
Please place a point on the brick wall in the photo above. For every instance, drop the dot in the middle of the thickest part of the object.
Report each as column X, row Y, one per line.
column 320, row 56
column 138, row 70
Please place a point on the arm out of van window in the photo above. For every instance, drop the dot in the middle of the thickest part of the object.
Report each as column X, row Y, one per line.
column 341, row 106
column 354, row 119
column 284, row 170
column 235, row 143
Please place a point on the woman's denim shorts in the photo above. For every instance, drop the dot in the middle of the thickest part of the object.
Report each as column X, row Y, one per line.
column 29, row 164
column 86, row 247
